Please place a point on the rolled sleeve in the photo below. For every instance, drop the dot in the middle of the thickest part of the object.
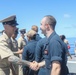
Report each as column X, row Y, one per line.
column 56, row 58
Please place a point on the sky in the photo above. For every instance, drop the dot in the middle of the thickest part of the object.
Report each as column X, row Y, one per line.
column 30, row 12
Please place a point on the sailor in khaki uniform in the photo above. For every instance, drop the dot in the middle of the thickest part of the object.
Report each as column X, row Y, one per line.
column 7, row 58
column 21, row 44
column 6, row 45
column 22, row 40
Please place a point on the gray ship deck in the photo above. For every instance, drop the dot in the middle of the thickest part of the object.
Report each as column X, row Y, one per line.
column 71, row 63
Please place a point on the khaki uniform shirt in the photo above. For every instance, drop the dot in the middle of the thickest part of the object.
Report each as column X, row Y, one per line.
column 5, row 52
column 15, row 45
column 21, row 43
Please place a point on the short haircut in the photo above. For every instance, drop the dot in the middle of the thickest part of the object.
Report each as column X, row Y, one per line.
column 51, row 21
column 31, row 34
column 35, row 28
column 62, row 37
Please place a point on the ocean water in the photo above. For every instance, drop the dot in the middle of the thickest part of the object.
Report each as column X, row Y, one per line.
column 72, row 41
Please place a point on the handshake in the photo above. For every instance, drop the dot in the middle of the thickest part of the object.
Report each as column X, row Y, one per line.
column 33, row 65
